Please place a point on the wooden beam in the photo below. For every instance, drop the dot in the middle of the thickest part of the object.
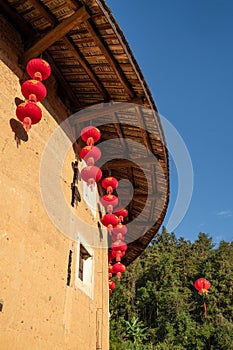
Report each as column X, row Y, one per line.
column 93, row 113
column 83, row 62
column 131, row 179
column 58, row 32
column 18, row 21
column 144, row 132
column 110, row 58
column 63, row 83
column 144, row 223
column 137, row 197
column 127, row 163
column 73, row 4
column 120, row 134
column 148, row 144
column 42, row 10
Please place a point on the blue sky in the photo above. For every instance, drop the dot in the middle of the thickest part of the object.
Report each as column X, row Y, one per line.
column 185, row 51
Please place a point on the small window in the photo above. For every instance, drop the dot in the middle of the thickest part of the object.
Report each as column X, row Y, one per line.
column 83, row 255
column 84, row 276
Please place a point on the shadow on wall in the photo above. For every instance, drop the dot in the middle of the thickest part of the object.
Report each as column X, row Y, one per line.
column 20, row 132
column 75, row 194
column 17, row 127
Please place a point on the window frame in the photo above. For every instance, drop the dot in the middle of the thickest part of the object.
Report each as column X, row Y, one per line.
column 86, row 282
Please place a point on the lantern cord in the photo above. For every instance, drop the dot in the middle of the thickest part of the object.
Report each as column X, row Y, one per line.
column 204, row 306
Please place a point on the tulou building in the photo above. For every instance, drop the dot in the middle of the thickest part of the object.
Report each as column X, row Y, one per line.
column 55, row 246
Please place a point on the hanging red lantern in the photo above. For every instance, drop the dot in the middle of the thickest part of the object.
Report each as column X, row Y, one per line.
column 38, row 69
column 109, row 220
column 118, row 249
column 119, row 231
column 90, row 135
column 109, row 201
column 33, row 90
column 90, row 154
column 91, row 174
column 120, row 228
column 202, row 285
column 109, row 183
column 28, row 113
column 121, row 213
column 112, row 285
column 118, row 269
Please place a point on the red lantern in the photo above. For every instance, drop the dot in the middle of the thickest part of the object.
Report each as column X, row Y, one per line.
column 118, row 249
column 202, row 286
column 118, row 269
column 119, row 231
column 90, row 135
column 109, row 183
column 33, row 90
column 90, row 154
column 112, row 285
column 91, row 174
column 28, row 113
column 120, row 228
column 121, row 213
column 109, row 220
column 109, row 201
column 38, row 69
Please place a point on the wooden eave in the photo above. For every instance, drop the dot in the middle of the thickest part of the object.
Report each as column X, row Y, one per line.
column 93, row 64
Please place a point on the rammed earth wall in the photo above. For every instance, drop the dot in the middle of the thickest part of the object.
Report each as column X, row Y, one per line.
column 39, row 311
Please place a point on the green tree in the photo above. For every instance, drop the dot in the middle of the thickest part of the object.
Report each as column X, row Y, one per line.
column 156, row 297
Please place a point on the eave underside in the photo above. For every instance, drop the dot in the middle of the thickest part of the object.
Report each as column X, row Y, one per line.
column 92, row 64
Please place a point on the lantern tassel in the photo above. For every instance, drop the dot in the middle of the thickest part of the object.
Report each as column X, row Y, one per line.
column 90, row 141
column 118, row 276
column 109, row 190
column 121, row 218
column 27, row 123
column 32, row 98
column 91, row 184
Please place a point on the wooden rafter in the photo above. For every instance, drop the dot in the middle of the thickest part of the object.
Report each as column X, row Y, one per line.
column 148, row 144
column 74, row 102
column 94, row 113
column 109, row 57
column 125, row 163
column 143, row 129
column 145, row 223
column 131, row 179
column 42, row 10
column 83, row 62
column 73, row 4
column 137, row 196
column 120, row 134
column 71, row 46
column 58, row 32
column 17, row 20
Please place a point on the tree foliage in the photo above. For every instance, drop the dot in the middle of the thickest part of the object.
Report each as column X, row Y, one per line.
column 157, row 307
